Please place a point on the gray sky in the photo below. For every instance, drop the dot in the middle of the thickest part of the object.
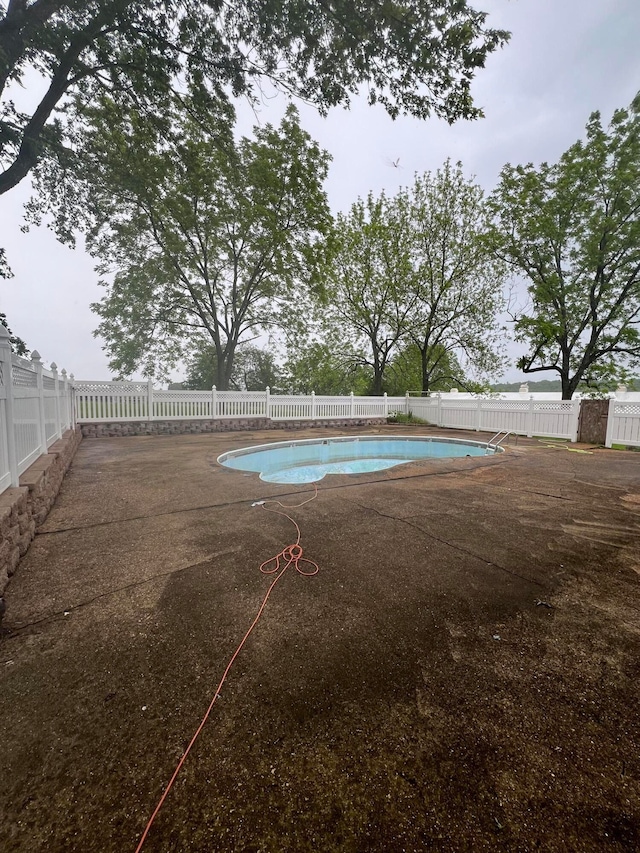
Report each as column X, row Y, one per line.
column 566, row 59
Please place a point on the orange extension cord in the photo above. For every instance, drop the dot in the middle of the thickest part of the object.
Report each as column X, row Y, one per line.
column 290, row 556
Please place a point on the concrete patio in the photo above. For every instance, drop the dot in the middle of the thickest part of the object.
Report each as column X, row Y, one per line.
column 461, row 675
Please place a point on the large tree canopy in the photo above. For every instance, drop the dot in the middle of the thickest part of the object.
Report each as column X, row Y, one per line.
column 366, row 290
column 456, row 286
column 201, row 238
column 417, row 56
column 416, row 269
column 573, row 230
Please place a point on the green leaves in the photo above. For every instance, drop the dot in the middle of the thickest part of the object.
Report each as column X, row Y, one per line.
column 573, row 229
column 199, row 236
column 416, row 269
column 415, row 56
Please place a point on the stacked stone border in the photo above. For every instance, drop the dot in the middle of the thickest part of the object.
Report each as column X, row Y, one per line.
column 25, row 507
column 197, row 427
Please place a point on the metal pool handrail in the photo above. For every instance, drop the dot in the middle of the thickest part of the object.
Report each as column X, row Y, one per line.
column 507, row 433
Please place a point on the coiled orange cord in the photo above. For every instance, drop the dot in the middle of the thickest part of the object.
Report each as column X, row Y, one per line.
column 289, row 556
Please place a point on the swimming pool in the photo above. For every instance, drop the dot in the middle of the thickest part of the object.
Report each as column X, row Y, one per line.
column 309, row 460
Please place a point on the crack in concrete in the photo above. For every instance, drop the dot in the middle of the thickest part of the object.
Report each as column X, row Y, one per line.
column 409, row 523
column 242, row 501
column 13, row 630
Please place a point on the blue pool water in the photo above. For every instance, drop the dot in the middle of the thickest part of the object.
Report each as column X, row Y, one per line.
column 310, row 460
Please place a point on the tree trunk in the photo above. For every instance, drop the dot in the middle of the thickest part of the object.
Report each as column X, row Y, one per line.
column 569, row 385
column 426, row 376
column 377, row 383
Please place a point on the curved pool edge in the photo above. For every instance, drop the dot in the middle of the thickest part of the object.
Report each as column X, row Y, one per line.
column 224, row 459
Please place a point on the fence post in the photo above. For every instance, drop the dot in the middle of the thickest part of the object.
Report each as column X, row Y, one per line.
column 407, row 408
column 352, row 411
column 530, row 418
column 150, row 399
column 214, row 402
column 479, row 415
column 56, row 386
column 65, row 397
column 72, row 401
column 608, row 442
column 42, row 428
column 267, row 402
column 313, row 405
column 575, row 419
column 7, row 381
column 439, row 412
column 386, row 405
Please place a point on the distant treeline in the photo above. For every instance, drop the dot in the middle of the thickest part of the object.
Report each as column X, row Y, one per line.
column 554, row 385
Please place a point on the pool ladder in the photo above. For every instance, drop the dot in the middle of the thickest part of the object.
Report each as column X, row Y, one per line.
column 505, row 433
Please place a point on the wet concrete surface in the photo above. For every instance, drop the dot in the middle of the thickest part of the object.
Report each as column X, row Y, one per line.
column 461, row 674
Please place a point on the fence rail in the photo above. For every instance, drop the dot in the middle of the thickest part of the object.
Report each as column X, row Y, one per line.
column 36, row 407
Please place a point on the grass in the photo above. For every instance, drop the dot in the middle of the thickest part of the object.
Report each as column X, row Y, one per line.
column 401, row 418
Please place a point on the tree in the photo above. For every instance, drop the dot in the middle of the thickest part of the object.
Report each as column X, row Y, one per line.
column 413, row 55
column 456, row 285
column 325, row 368
column 416, row 268
column 365, row 291
column 406, row 371
column 199, row 235
column 254, row 369
column 573, row 229
column 17, row 344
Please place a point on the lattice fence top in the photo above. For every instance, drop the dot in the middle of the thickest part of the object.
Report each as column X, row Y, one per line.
column 111, row 387
column 506, row 405
column 627, row 409
column 182, row 396
column 553, row 406
column 23, row 378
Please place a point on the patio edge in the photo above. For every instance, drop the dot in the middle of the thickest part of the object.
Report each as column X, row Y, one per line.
column 25, row 507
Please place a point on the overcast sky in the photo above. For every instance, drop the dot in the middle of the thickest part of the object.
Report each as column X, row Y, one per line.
column 566, row 58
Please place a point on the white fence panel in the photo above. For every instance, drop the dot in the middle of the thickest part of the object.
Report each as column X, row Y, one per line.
column 553, row 418
column 426, row 408
column 371, row 407
column 26, row 412
column 289, row 407
column 26, row 421
column 623, row 424
column 104, row 401
column 240, row 404
column 332, row 407
column 398, row 404
column 112, row 401
column 187, row 405
column 5, row 471
column 35, row 409
column 50, row 420
column 461, row 414
column 558, row 419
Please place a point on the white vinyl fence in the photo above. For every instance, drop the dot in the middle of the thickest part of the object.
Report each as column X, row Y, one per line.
column 36, row 407
column 139, row 401
column 549, row 418
column 623, row 423
column 102, row 402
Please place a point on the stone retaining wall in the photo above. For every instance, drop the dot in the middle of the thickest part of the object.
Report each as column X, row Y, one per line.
column 105, row 430
column 24, row 508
